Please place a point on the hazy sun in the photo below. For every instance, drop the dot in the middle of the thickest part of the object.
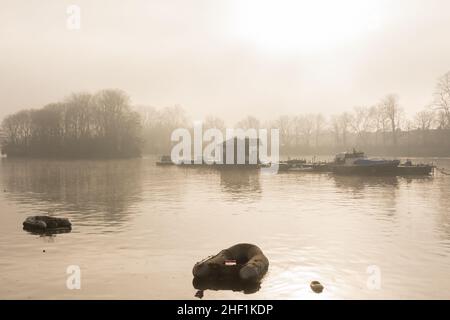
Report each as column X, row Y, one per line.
column 306, row 25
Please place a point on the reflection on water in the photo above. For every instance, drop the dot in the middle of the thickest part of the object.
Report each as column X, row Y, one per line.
column 51, row 233
column 138, row 229
column 241, row 184
column 235, row 285
column 88, row 191
column 359, row 184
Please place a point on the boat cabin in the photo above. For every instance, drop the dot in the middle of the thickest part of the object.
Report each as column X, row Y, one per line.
column 348, row 157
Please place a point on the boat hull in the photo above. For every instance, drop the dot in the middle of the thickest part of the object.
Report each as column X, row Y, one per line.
column 419, row 170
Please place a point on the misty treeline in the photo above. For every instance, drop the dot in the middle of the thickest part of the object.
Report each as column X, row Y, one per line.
column 83, row 125
column 104, row 124
column 382, row 128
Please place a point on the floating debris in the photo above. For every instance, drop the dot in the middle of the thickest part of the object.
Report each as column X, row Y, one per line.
column 316, row 286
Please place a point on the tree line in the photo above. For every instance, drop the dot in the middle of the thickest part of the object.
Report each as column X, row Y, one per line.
column 83, row 125
column 104, row 124
column 382, row 128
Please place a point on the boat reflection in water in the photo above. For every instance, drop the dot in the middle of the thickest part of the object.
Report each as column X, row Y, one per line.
column 358, row 183
column 241, row 184
column 235, row 285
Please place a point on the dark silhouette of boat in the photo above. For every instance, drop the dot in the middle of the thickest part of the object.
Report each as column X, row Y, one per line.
column 47, row 225
column 165, row 161
column 357, row 163
column 410, row 169
column 295, row 165
column 242, row 262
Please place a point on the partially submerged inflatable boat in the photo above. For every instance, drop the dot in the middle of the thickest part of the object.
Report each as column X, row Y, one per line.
column 245, row 262
column 45, row 224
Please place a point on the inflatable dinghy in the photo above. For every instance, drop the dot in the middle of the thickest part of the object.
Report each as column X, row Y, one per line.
column 44, row 224
column 245, row 262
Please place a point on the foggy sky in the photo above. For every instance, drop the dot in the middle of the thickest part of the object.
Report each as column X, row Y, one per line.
column 200, row 54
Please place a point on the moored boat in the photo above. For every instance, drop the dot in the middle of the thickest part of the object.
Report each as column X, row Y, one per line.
column 294, row 165
column 349, row 163
column 410, row 169
column 357, row 163
column 47, row 224
column 165, row 161
column 244, row 261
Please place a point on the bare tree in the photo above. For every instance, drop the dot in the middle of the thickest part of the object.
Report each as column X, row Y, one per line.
column 307, row 127
column 212, row 122
column 295, row 128
column 319, row 124
column 345, row 120
column 78, row 120
column 336, row 129
column 379, row 120
column 442, row 97
column 248, row 122
column 284, row 124
column 17, row 130
column 174, row 117
column 149, row 114
column 393, row 114
column 441, row 120
column 362, row 123
column 423, row 120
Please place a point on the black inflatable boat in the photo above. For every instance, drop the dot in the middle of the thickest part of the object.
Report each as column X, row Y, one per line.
column 45, row 224
column 244, row 261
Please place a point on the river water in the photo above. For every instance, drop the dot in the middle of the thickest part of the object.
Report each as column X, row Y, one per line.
column 138, row 229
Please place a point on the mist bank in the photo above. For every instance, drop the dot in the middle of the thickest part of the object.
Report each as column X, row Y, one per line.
column 315, row 134
column 382, row 128
column 106, row 125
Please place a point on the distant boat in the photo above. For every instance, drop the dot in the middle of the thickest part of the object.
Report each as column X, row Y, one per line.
column 165, row 161
column 294, row 165
column 408, row 168
column 357, row 163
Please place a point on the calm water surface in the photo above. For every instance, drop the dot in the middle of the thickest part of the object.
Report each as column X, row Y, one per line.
column 139, row 229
